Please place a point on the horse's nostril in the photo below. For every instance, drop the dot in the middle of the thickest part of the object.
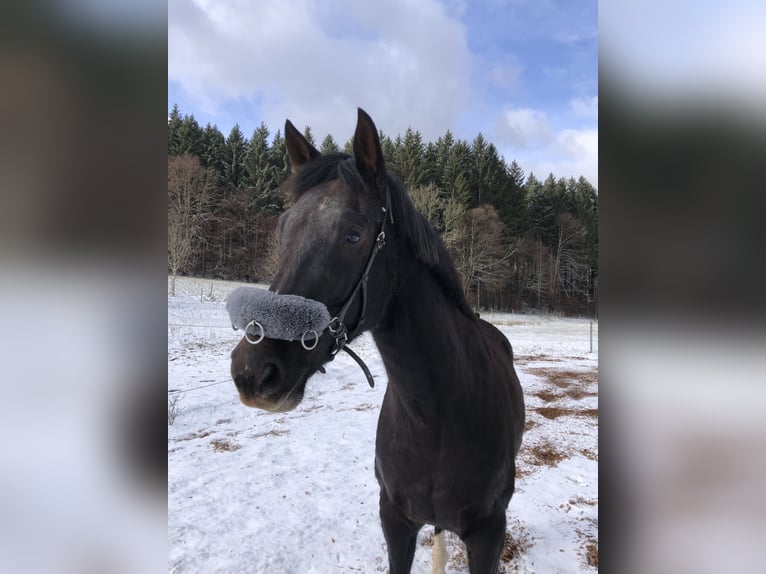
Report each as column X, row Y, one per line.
column 269, row 377
column 265, row 382
column 245, row 383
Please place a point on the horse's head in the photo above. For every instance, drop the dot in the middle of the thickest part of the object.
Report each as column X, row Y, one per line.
column 326, row 242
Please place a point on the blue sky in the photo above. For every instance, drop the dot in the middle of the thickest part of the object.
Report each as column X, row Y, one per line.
column 522, row 72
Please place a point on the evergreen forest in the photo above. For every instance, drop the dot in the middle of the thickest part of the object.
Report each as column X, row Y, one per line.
column 518, row 242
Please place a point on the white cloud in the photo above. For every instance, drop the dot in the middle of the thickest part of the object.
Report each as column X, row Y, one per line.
column 406, row 63
column 525, row 128
column 527, row 136
column 585, row 107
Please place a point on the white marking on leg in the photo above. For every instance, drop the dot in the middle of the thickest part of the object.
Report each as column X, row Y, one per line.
column 439, row 554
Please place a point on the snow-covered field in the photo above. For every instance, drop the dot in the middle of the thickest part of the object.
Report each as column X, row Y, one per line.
column 251, row 492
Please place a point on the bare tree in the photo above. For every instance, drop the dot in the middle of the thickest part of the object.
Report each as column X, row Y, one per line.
column 568, row 263
column 481, row 254
column 542, row 262
column 189, row 187
column 428, row 201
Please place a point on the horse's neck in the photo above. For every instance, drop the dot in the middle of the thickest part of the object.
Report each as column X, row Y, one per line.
column 422, row 340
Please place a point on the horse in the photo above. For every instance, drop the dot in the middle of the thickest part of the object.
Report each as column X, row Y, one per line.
column 452, row 416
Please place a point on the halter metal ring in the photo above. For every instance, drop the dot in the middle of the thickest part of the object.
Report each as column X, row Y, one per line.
column 335, row 326
column 316, row 340
column 260, row 338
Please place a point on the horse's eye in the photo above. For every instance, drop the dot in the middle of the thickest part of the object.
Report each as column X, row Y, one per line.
column 353, row 237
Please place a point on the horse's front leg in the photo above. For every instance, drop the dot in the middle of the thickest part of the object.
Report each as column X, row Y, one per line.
column 484, row 542
column 401, row 536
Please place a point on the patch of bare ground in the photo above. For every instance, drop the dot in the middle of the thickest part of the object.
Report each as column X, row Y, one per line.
column 221, row 445
column 547, row 396
column 514, row 545
column 312, row 408
column 589, row 454
column 544, row 454
column 522, row 470
column 363, row 407
column 525, row 359
column 578, row 394
column 192, row 436
column 272, row 432
column 564, row 378
column 556, row 412
column 591, row 553
column 530, row 424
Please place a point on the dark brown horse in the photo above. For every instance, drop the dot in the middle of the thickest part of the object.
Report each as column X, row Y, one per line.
column 453, row 413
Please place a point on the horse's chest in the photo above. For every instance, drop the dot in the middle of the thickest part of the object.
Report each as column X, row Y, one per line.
column 428, row 483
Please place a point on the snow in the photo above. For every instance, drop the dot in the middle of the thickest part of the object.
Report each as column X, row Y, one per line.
column 251, row 491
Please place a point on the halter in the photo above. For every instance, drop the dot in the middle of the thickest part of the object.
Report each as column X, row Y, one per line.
column 337, row 327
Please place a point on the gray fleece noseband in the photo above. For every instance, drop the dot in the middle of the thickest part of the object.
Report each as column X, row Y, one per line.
column 264, row 314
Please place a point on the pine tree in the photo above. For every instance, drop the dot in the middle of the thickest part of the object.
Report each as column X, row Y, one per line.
column 189, row 139
column 487, row 172
column 262, row 175
column 279, row 159
column 455, row 180
column 174, row 126
column 443, row 150
column 387, row 147
column 430, row 165
column 516, row 174
column 329, row 145
column 514, row 210
column 309, row 136
column 212, row 149
column 234, row 154
column 411, row 156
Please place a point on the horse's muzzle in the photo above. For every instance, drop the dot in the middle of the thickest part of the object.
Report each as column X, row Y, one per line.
column 261, row 378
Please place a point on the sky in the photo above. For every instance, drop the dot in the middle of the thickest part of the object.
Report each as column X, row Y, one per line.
column 521, row 72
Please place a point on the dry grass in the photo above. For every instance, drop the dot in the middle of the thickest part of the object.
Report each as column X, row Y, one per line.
column 547, row 396
column 578, row 394
column 195, row 435
column 221, row 445
column 556, row 412
column 525, row 359
column 591, row 554
column 529, row 424
column 544, row 454
column 174, row 408
column 590, row 455
column 513, row 546
column 312, row 408
column 552, row 412
column 522, row 470
column 272, row 432
column 363, row 407
column 564, row 378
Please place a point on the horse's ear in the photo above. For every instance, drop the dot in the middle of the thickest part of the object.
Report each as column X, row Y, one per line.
column 298, row 148
column 369, row 157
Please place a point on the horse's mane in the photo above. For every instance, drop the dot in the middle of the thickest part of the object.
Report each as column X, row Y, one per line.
column 422, row 239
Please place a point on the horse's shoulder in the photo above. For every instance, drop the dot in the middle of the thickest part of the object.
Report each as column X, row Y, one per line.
column 495, row 337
